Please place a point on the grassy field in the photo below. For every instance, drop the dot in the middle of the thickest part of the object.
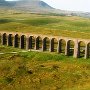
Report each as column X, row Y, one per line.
column 42, row 71
column 76, row 27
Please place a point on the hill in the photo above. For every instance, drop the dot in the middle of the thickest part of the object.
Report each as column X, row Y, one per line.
column 38, row 6
column 32, row 6
column 3, row 3
column 76, row 27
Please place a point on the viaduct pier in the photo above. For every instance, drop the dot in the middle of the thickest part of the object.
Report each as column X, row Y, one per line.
column 75, row 47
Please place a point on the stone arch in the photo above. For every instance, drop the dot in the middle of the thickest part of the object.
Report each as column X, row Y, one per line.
column 38, row 43
column 16, row 40
column 70, row 47
column 10, row 40
column 4, row 39
column 31, row 42
column 23, row 42
column 62, row 45
column 46, row 44
column 81, row 49
column 54, row 45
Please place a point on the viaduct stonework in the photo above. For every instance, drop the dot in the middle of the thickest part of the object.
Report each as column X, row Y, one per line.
column 64, row 45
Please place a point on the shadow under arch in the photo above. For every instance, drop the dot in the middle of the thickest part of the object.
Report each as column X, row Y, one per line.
column 46, row 44
column 71, row 45
column 23, row 42
column 62, row 45
column 81, row 49
column 31, row 42
column 16, row 41
column 4, row 39
column 54, row 44
column 10, row 40
column 88, row 50
column 38, row 43
column 0, row 38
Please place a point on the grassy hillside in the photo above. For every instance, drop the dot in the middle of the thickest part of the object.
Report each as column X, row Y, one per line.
column 76, row 27
column 42, row 71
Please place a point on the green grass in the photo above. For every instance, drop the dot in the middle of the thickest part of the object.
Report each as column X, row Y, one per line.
column 40, row 21
column 9, row 49
column 46, row 24
column 42, row 71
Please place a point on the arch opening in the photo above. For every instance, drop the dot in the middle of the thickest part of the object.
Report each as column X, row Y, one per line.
column 62, row 46
column 81, row 49
column 46, row 44
column 23, row 42
column 31, row 42
column 4, row 39
column 10, row 40
column 54, row 44
column 0, row 38
column 71, row 45
column 38, row 43
column 89, row 50
column 16, row 41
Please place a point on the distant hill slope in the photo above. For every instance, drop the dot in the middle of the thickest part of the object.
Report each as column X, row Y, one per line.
column 3, row 3
column 32, row 4
column 37, row 6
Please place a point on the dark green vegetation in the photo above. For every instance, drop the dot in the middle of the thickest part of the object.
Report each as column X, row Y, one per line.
column 46, row 24
column 42, row 71
column 3, row 21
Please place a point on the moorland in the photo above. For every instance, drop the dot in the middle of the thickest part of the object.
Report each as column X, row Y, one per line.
column 76, row 27
column 42, row 70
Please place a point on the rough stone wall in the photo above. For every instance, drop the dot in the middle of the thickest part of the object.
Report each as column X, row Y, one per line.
column 24, row 41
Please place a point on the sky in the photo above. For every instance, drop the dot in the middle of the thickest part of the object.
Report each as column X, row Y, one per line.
column 72, row 5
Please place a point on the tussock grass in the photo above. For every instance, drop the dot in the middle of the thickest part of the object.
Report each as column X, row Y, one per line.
column 43, row 71
column 9, row 49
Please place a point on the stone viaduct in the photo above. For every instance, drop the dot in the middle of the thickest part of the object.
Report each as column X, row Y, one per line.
column 64, row 45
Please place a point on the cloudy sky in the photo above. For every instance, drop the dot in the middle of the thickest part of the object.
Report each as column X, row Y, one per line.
column 74, row 5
